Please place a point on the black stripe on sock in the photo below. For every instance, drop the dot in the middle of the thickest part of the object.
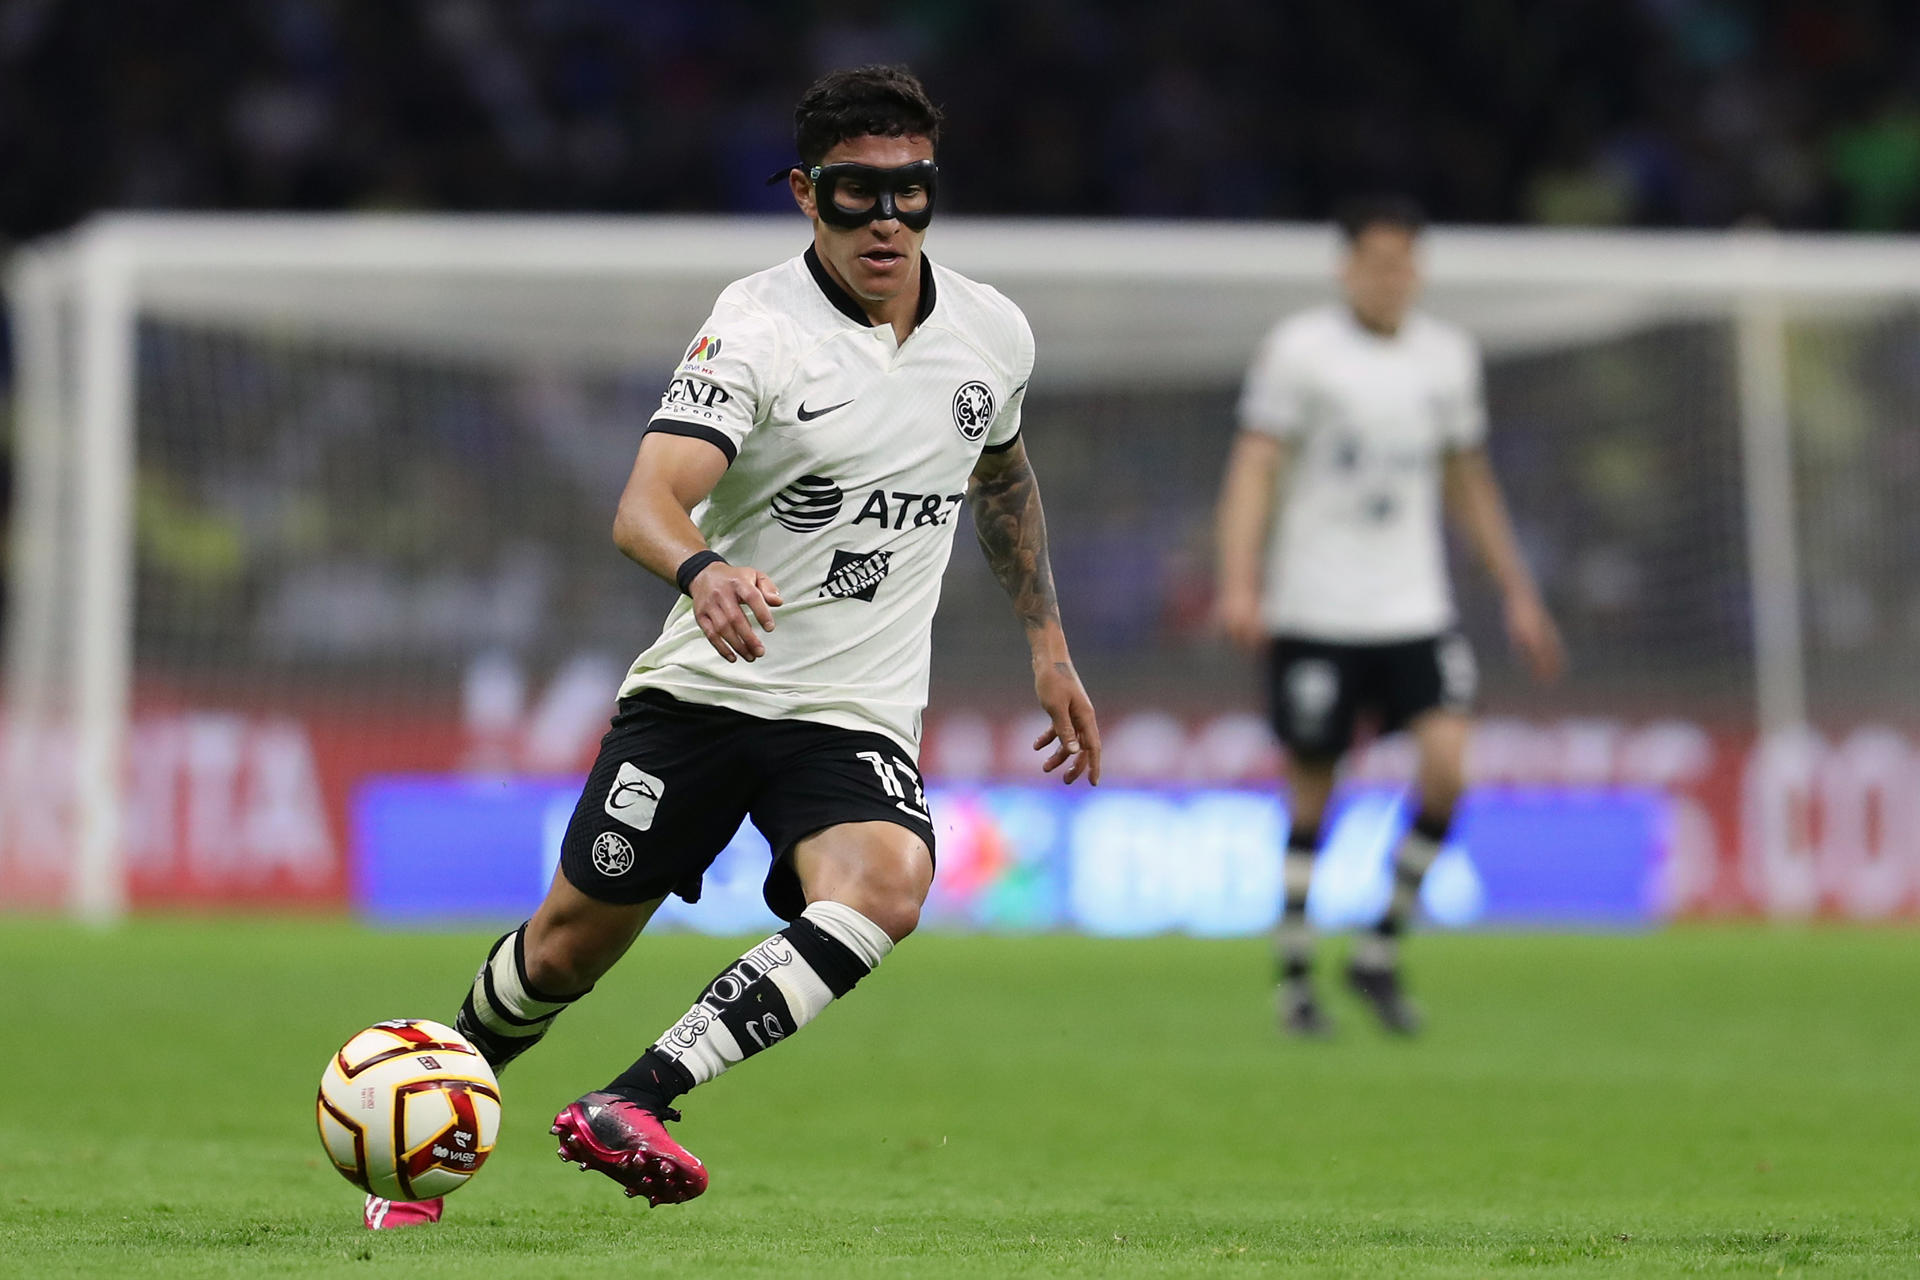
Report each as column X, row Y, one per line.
column 468, row 1024
column 1408, row 880
column 652, row 1082
column 831, row 959
column 758, row 1018
column 526, row 983
column 537, row 1027
column 497, row 1049
column 1293, row 900
column 498, row 1008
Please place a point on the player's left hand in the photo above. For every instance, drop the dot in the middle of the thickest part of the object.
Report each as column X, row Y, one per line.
column 1074, row 734
column 1531, row 630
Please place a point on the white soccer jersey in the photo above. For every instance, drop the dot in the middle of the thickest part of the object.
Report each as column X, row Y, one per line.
column 1357, row 552
column 850, row 456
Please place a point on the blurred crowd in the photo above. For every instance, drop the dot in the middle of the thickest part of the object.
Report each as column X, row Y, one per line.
column 1804, row 113
column 1690, row 112
column 305, row 511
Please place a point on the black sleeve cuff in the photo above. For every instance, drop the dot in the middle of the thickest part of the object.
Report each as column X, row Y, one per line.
column 696, row 431
column 1004, row 445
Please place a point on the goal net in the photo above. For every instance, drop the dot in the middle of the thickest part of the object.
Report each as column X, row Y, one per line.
column 303, row 501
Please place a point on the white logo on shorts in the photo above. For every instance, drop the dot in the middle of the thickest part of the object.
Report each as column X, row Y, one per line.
column 896, row 776
column 1313, row 686
column 612, row 855
column 635, row 795
column 1459, row 674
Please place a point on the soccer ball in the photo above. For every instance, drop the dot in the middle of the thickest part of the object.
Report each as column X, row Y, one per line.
column 408, row 1109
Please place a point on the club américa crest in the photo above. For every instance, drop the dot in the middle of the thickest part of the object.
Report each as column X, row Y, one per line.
column 612, row 855
column 973, row 410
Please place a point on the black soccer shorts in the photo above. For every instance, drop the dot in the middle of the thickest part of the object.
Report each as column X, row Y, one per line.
column 1317, row 691
column 674, row 779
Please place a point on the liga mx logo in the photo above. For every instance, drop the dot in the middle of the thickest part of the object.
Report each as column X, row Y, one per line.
column 973, row 410
column 703, row 348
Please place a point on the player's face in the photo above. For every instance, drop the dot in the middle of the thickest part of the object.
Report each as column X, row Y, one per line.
column 1382, row 276
column 878, row 260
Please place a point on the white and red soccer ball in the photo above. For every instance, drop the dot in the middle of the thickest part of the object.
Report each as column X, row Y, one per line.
column 408, row 1110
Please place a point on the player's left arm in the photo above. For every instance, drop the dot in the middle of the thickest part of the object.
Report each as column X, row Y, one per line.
column 1004, row 497
column 1478, row 509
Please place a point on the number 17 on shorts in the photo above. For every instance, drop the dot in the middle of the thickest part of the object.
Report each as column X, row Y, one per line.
column 901, row 782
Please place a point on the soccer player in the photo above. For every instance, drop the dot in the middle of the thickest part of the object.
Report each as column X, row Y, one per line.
column 1356, row 418
column 799, row 482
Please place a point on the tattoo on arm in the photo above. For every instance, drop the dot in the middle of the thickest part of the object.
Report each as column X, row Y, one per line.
column 1013, row 532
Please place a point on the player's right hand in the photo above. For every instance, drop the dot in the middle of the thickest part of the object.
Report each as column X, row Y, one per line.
column 1239, row 614
column 724, row 595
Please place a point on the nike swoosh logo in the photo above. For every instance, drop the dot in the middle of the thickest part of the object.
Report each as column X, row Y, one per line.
column 808, row 415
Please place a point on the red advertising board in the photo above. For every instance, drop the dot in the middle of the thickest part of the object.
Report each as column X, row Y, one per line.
column 231, row 808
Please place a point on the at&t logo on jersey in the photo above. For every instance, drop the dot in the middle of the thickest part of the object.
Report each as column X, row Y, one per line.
column 809, row 503
column 973, row 410
column 856, row 575
column 920, row 510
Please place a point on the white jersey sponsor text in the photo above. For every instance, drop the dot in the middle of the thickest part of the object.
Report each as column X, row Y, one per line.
column 850, row 456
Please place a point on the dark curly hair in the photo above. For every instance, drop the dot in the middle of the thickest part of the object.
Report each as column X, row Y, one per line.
column 889, row 101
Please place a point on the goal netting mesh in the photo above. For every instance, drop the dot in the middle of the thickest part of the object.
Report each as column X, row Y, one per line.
column 364, row 509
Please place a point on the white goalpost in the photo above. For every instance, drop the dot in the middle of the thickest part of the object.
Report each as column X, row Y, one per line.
column 239, row 441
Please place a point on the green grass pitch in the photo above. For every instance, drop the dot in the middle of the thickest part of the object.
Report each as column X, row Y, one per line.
column 1703, row 1101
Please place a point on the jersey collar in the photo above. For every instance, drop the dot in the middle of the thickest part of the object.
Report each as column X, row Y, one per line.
column 844, row 302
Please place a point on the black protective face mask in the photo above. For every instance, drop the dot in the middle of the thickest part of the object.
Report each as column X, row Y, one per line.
column 851, row 195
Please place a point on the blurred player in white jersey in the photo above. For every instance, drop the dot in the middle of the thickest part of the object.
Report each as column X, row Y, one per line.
column 1356, row 420
column 799, row 482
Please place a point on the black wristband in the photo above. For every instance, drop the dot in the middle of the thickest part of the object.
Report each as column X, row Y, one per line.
column 690, row 568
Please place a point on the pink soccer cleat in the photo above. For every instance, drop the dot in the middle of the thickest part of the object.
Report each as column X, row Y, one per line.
column 387, row 1215
column 629, row 1144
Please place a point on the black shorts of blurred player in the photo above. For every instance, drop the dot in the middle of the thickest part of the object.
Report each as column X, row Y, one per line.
column 674, row 780
column 1318, row 691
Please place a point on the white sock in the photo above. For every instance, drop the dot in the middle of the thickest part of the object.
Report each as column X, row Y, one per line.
column 777, row 987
